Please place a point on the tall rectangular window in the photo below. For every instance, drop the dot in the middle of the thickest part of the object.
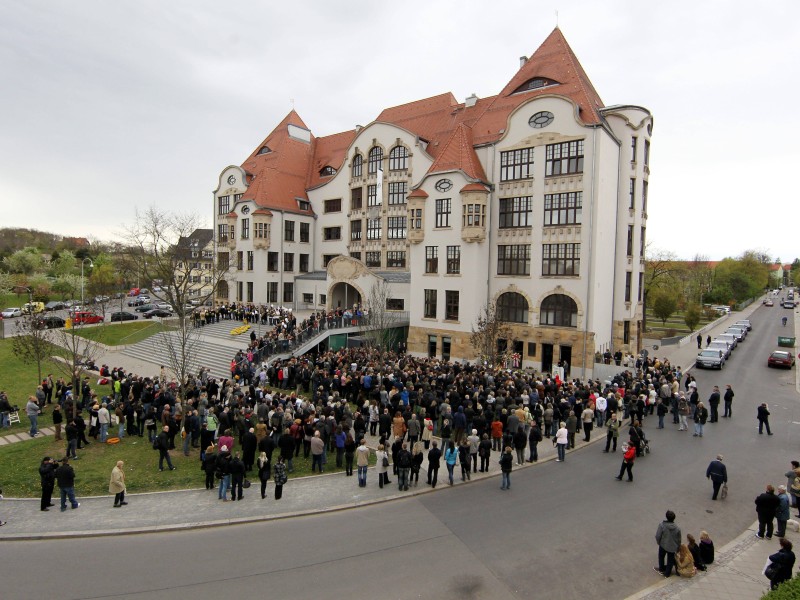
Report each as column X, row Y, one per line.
column 431, row 259
column 224, row 203
column 432, row 341
column 288, row 292
column 516, row 164
column 416, row 218
column 647, row 153
column 563, row 209
column 373, row 229
column 644, row 197
column 272, row 291
column 514, row 260
column 304, row 232
column 474, row 215
column 249, row 291
column 373, row 260
column 515, row 212
column 453, row 260
column 249, row 260
column 628, row 281
column 443, row 212
column 356, row 195
column 334, row 205
column 222, row 233
column 288, row 231
column 288, row 262
column 632, row 193
column 396, row 229
column 561, row 259
column 642, row 238
column 372, row 196
column 272, row 261
column 430, row 304
column 240, row 260
column 634, row 140
column 239, row 291
column 245, row 229
column 303, row 266
column 355, row 230
column 626, row 332
column 451, row 305
column 223, row 261
column 564, row 158
column 396, row 259
column 629, row 245
column 261, row 230
column 357, row 165
column 640, row 287
column 398, row 158
column 326, row 258
column 397, row 192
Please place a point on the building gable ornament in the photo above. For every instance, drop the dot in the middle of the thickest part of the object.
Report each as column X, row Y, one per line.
column 346, row 268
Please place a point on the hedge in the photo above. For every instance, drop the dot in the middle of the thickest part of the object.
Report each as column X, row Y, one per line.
column 788, row 590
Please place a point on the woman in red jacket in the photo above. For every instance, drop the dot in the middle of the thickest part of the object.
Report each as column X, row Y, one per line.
column 627, row 462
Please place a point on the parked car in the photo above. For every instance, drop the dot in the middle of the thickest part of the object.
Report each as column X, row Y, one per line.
column 138, row 301
column 710, row 359
column 12, row 312
column 71, row 303
column 739, row 332
column 123, row 316
column 157, row 312
column 56, row 305
column 728, row 337
column 726, row 347
column 32, row 307
column 787, row 303
column 83, row 317
column 781, row 358
column 99, row 299
column 49, row 322
column 165, row 306
column 744, row 323
column 145, row 307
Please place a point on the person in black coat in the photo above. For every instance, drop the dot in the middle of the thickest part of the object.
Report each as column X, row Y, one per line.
column 267, row 446
column 286, row 444
column 237, row 471
column 485, row 451
column 534, row 437
column 249, row 444
column 766, row 507
column 434, row 461
column 784, row 558
column 209, row 466
column 717, row 472
column 763, row 418
column 47, row 473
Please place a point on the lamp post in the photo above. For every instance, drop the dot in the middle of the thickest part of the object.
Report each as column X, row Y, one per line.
column 91, row 264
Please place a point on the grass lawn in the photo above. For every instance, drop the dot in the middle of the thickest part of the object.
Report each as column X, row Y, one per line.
column 128, row 332
column 19, row 477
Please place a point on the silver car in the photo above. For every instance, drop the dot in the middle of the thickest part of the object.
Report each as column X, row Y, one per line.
column 722, row 345
column 728, row 337
column 710, row 359
column 739, row 332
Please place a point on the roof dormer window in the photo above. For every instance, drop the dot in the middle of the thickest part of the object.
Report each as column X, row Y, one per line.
column 535, row 84
column 327, row 171
column 264, row 150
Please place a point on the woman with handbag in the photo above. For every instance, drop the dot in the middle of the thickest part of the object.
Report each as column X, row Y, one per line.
column 781, row 565
column 382, row 465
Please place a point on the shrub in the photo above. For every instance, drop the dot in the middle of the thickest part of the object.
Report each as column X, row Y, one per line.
column 788, row 590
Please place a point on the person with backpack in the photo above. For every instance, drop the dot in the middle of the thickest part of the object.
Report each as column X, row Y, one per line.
column 506, row 464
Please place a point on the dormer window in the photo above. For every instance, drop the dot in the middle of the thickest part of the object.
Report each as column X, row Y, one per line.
column 327, row 171
column 304, row 205
column 264, row 150
column 535, row 84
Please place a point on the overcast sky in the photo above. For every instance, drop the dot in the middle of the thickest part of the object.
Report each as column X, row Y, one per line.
column 109, row 106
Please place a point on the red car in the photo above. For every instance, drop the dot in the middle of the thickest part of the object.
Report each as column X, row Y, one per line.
column 781, row 358
column 86, row 318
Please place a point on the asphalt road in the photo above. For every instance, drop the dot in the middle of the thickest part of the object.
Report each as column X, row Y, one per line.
column 565, row 530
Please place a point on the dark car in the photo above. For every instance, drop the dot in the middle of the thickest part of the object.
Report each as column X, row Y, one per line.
column 50, row 306
column 123, row 316
column 145, row 307
column 50, row 322
column 157, row 312
column 709, row 358
column 781, row 358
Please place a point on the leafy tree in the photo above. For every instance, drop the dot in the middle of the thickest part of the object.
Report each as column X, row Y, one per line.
column 63, row 265
column 66, row 286
column 692, row 316
column 488, row 328
column 664, row 305
column 6, row 283
column 661, row 269
column 26, row 261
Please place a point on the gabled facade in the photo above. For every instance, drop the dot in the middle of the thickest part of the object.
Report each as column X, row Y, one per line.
column 534, row 199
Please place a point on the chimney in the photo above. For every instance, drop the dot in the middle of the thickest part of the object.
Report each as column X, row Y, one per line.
column 471, row 100
column 522, row 61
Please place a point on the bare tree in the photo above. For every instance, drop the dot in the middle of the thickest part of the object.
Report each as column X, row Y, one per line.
column 660, row 268
column 381, row 332
column 76, row 352
column 170, row 250
column 32, row 342
column 486, row 331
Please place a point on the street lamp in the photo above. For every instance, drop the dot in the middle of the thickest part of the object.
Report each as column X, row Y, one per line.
column 91, row 265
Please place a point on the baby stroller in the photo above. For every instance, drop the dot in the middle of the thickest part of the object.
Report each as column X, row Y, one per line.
column 645, row 447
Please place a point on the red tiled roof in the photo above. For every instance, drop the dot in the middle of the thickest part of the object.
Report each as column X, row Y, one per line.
column 262, row 211
column 458, row 153
column 280, row 175
column 329, row 151
column 418, row 193
column 474, row 187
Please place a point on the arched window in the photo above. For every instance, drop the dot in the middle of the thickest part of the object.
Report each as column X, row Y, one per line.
column 512, row 307
column 358, row 161
column 398, row 159
column 559, row 310
column 375, row 158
